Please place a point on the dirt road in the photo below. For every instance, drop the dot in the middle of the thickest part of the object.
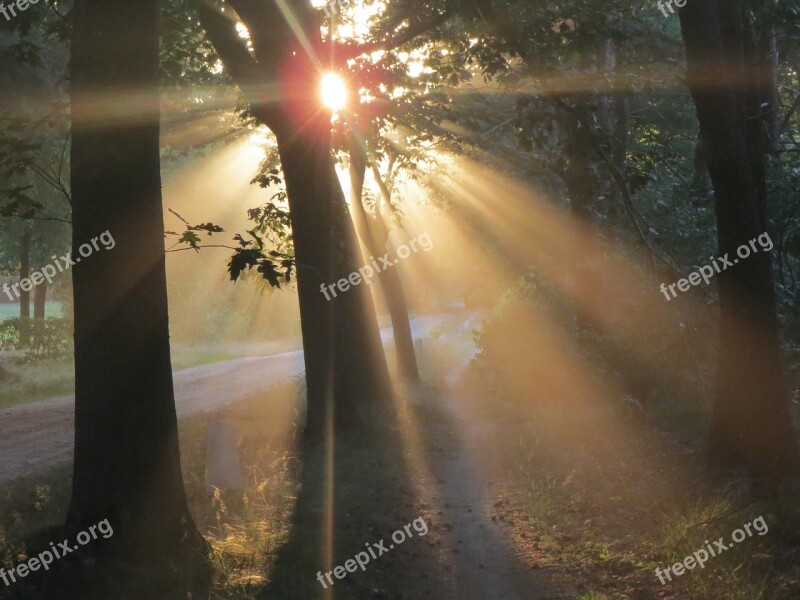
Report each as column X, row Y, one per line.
column 38, row 437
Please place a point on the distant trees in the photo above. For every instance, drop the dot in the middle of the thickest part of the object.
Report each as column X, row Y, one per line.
column 34, row 199
column 603, row 145
column 127, row 462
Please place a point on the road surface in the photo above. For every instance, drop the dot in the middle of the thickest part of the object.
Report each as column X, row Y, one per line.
column 38, row 437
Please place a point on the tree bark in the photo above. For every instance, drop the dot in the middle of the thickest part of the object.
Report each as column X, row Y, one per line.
column 40, row 300
column 751, row 426
column 346, row 372
column 348, row 381
column 127, row 463
column 39, row 304
column 374, row 234
column 392, row 286
column 768, row 61
column 581, row 186
column 25, row 273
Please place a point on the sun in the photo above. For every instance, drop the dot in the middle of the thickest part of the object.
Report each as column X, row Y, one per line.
column 333, row 91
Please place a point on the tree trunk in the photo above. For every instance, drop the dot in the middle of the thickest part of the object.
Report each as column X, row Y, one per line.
column 348, row 381
column 392, row 286
column 39, row 303
column 581, row 186
column 25, row 273
column 374, row 234
column 127, row 463
column 751, row 425
column 621, row 125
column 770, row 100
column 346, row 368
column 39, row 300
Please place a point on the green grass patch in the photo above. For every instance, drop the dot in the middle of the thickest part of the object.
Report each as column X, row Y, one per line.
column 9, row 311
column 34, row 381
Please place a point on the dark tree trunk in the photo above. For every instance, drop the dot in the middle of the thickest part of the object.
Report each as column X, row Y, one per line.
column 127, row 463
column 348, row 381
column 751, row 425
column 769, row 61
column 39, row 300
column 25, row 273
column 581, row 186
column 392, row 285
column 305, row 173
column 606, row 65
column 621, row 115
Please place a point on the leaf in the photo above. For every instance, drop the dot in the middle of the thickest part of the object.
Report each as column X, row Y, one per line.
column 242, row 260
column 190, row 238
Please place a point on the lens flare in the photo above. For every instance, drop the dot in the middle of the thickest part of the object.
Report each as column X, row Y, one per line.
column 333, row 91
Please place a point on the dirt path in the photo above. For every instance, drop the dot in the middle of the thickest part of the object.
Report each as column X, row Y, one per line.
column 483, row 562
column 38, row 437
column 460, row 481
column 462, row 484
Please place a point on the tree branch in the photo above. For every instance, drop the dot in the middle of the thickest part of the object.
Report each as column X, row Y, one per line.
column 349, row 52
column 257, row 83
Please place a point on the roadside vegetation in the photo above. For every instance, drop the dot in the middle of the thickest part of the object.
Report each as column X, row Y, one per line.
column 608, row 487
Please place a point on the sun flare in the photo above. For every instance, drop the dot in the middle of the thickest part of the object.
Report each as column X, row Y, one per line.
column 333, row 91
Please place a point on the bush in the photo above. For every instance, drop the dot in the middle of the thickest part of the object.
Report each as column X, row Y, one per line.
column 37, row 338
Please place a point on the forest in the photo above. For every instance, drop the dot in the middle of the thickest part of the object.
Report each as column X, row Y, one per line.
column 401, row 299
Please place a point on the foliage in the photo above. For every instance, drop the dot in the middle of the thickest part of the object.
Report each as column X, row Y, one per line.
column 37, row 339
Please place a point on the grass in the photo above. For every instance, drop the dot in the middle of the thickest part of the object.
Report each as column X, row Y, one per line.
column 9, row 311
column 607, row 460
column 615, row 513
column 245, row 530
column 37, row 381
column 186, row 357
column 259, row 538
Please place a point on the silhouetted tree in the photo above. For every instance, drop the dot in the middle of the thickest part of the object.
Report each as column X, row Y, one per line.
column 346, row 371
column 127, row 461
column 726, row 75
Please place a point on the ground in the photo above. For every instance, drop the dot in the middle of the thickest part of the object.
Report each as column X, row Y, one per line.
column 465, row 554
column 508, row 517
column 37, row 437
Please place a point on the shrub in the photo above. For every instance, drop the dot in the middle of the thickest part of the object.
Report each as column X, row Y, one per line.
column 37, row 338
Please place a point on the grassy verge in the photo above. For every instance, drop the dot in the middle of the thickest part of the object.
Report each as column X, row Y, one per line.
column 609, row 514
column 258, row 537
column 36, row 381
column 244, row 529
